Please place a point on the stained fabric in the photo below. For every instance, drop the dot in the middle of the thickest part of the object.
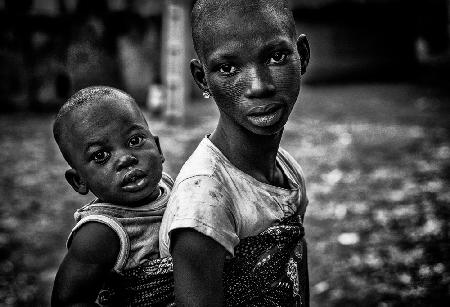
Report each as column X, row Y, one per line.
column 220, row 201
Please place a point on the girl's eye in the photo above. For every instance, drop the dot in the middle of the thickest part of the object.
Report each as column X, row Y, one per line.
column 227, row 69
column 135, row 141
column 277, row 58
column 100, row 157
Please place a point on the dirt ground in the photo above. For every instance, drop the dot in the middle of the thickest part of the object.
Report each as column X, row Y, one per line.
column 377, row 162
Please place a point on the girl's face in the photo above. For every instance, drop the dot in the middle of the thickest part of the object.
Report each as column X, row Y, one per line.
column 252, row 69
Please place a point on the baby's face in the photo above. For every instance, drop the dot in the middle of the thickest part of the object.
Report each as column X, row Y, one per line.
column 252, row 67
column 113, row 150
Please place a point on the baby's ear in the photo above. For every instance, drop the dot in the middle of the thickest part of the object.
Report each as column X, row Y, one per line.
column 77, row 183
column 303, row 51
column 198, row 73
column 159, row 148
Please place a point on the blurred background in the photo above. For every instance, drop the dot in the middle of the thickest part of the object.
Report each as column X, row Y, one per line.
column 371, row 130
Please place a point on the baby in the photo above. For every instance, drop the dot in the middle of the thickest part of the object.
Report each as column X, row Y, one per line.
column 113, row 248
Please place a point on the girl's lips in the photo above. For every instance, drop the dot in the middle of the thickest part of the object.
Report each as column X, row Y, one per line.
column 263, row 109
column 266, row 119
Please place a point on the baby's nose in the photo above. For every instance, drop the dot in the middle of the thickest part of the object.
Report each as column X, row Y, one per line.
column 125, row 161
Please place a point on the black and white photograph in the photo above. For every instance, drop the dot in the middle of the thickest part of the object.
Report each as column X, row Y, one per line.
column 205, row 153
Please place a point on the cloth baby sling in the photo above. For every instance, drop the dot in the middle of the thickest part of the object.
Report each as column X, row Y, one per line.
column 149, row 284
column 269, row 269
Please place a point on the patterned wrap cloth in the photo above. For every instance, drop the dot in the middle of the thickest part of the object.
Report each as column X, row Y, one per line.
column 269, row 269
column 150, row 284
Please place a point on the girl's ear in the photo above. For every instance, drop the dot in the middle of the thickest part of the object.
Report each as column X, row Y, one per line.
column 303, row 51
column 77, row 183
column 159, row 148
column 198, row 74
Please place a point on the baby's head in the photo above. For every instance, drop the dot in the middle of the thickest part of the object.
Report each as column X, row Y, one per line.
column 105, row 138
column 250, row 60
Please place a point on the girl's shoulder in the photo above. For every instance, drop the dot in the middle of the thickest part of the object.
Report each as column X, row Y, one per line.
column 291, row 165
column 203, row 161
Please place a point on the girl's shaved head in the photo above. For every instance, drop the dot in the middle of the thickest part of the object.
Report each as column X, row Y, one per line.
column 206, row 13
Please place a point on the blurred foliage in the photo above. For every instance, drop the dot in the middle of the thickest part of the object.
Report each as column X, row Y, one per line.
column 376, row 158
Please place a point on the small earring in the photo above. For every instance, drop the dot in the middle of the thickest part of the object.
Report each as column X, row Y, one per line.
column 206, row 94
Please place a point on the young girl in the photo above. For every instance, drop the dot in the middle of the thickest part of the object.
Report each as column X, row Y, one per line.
column 113, row 254
column 234, row 220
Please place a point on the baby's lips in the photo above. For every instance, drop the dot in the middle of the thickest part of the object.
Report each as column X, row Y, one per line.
column 132, row 176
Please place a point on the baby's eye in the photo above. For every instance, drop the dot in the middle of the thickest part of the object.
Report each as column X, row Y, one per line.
column 278, row 58
column 227, row 69
column 100, row 156
column 135, row 141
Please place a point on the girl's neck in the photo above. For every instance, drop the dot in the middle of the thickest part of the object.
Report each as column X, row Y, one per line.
column 251, row 153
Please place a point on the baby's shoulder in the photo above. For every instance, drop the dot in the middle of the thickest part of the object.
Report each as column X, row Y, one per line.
column 90, row 242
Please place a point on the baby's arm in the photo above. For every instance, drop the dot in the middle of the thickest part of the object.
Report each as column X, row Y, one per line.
column 90, row 258
column 198, row 265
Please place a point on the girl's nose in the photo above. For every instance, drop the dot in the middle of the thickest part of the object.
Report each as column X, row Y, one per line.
column 125, row 161
column 260, row 83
